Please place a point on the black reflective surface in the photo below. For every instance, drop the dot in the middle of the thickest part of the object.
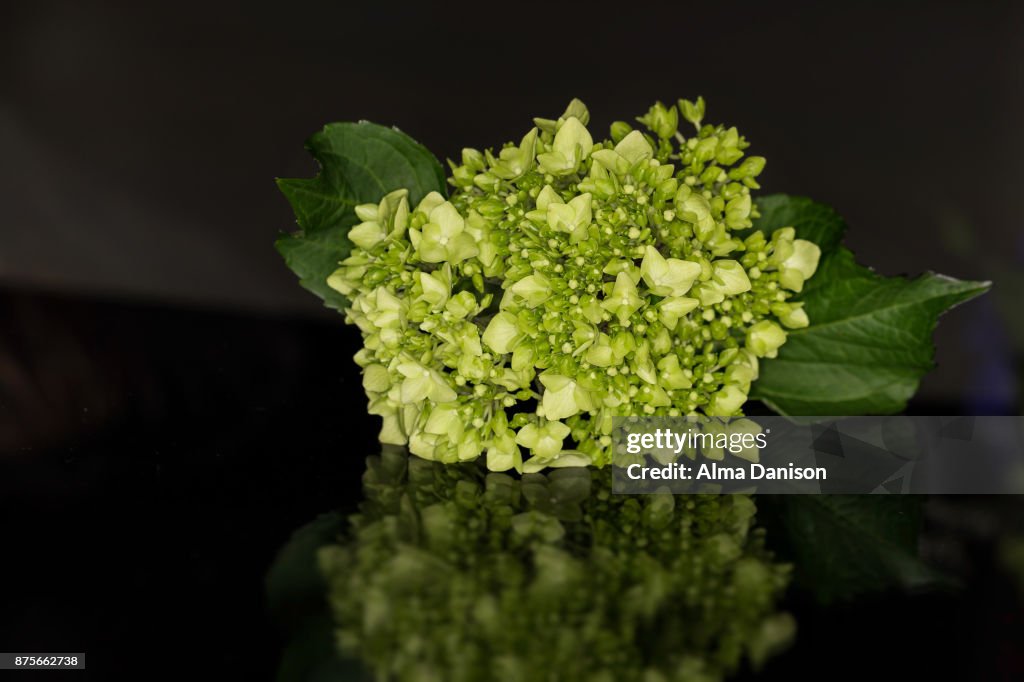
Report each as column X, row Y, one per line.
column 144, row 526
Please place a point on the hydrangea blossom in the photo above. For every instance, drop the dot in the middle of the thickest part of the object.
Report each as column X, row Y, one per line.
column 568, row 281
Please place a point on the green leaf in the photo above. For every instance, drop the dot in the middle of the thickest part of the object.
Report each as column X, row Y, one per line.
column 868, row 345
column 869, row 342
column 359, row 164
column 848, row 545
column 813, row 221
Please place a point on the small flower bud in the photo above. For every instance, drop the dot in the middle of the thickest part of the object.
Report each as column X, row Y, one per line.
column 619, row 130
column 662, row 121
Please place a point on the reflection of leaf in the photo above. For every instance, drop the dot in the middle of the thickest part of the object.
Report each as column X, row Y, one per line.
column 869, row 342
column 294, row 586
column 1010, row 554
column 847, row 545
column 311, row 656
column 359, row 163
column 295, row 592
column 868, row 345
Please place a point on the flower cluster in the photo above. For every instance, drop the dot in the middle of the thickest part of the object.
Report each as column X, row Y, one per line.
column 568, row 281
column 450, row 574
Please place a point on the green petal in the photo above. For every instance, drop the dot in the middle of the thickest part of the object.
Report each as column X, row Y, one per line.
column 528, row 436
column 796, row 318
column 804, row 258
column 376, row 378
column 502, row 332
column 546, row 197
column 430, row 202
column 504, row 454
column 565, row 459
column 391, row 432
column 600, row 356
column 532, row 290
column 623, row 300
column 461, row 247
column 667, row 276
column 729, row 277
column 559, row 400
column 416, row 388
column 765, row 338
column 366, row 235
column 634, row 148
column 445, row 420
column 727, row 401
column 612, row 161
column 573, row 140
column 435, row 289
column 695, row 209
column 440, row 391
column 671, row 310
column 447, row 218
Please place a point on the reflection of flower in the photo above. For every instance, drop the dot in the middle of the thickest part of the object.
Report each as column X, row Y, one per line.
column 567, row 281
column 453, row 574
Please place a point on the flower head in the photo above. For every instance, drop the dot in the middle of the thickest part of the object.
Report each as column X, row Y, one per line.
column 567, row 281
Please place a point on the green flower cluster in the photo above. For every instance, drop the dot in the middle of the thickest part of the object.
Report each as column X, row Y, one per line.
column 456, row 575
column 567, row 281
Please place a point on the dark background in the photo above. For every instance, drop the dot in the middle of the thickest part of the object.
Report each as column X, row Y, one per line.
column 173, row 404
